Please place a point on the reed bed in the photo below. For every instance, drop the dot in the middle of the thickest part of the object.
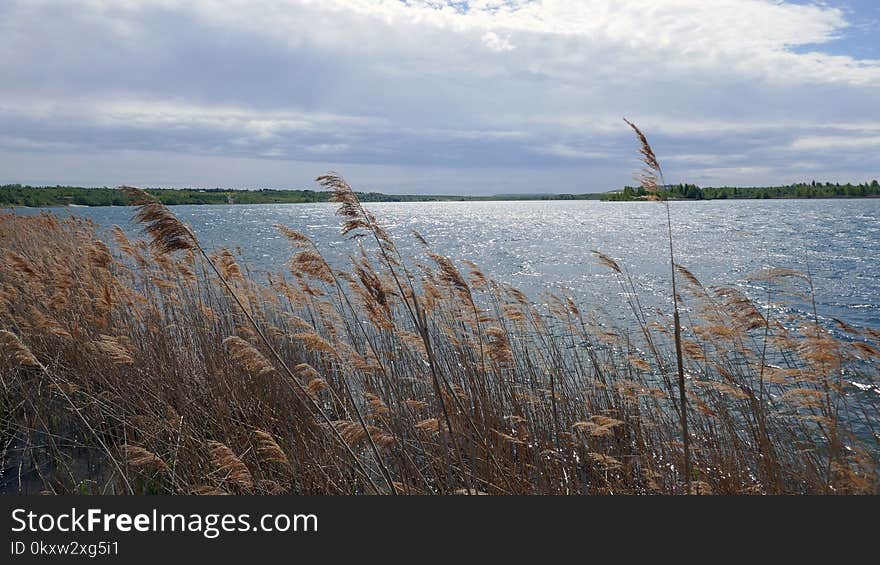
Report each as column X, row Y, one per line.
column 155, row 366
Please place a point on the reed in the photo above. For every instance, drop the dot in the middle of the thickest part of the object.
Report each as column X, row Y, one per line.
column 653, row 182
column 154, row 366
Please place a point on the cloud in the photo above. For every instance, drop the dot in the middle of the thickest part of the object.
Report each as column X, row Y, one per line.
column 495, row 43
column 705, row 158
column 569, row 152
column 733, row 90
column 829, row 142
column 325, row 148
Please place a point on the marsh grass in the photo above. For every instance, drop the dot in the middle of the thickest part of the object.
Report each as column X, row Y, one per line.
column 155, row 366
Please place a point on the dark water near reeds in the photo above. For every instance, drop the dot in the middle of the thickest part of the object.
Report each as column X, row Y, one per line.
column 546, row 246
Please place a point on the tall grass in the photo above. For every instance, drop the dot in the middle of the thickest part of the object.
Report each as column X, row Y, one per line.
column 653, row 182
column 156, row 366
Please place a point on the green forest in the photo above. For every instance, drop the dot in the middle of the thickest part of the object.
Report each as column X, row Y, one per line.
column 801, row 190
column 47, row 196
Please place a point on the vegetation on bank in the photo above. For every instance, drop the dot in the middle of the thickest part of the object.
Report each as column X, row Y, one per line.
column 800, row 190
column 48, row 196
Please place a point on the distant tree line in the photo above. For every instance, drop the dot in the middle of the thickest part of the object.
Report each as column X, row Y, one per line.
column 42, row 196
column 46, row 196
column 800, row 190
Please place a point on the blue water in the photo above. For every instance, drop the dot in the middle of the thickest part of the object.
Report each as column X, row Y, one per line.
column 546, row 246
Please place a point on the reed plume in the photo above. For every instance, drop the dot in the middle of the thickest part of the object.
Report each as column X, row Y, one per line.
column 167, row 233
column 17, row 350
column 114, row 349
column 247, row 356
column 649, row 179
column 268, row 449
column 141, row 458
column 229, row 466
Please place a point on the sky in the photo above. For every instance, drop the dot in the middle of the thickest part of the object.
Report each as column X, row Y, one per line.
column 434, row 96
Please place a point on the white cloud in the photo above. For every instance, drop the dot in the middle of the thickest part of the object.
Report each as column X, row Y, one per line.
column 751, row 36
column 569, row 152
column 717, row 175
column 26, row 144
column 325, row 148
column 705, row 158
column 180, row 115
column 429, row 83
column 748, row 36
column 836, row 142
column 496, row 43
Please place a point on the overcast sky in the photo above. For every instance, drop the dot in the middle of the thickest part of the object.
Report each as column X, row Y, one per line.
column 433, row 96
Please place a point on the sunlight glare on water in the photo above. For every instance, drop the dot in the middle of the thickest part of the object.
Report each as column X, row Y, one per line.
column 546, row 245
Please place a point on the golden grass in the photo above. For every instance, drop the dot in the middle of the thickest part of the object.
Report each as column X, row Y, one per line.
column 149, row 366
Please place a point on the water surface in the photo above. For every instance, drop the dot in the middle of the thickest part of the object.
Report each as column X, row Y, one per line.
column 546, row 245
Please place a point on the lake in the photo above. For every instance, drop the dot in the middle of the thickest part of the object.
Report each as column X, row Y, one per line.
column 546, row 245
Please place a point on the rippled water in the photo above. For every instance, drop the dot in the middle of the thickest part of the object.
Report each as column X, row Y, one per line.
column 547, row 245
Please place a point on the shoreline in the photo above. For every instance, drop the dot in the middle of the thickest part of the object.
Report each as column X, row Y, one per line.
column 75, row 196
column 451, row 200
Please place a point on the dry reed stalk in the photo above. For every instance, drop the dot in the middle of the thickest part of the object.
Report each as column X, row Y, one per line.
column 649, row 180
column 113, row 348
column 169, row 234
column 17, row 350
column 228, row 464
column 598, row 426
column 356, row 434
column 208, row 491
column 247, row 356
column 141, row 458
column 358, row 223
column 268, row 449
